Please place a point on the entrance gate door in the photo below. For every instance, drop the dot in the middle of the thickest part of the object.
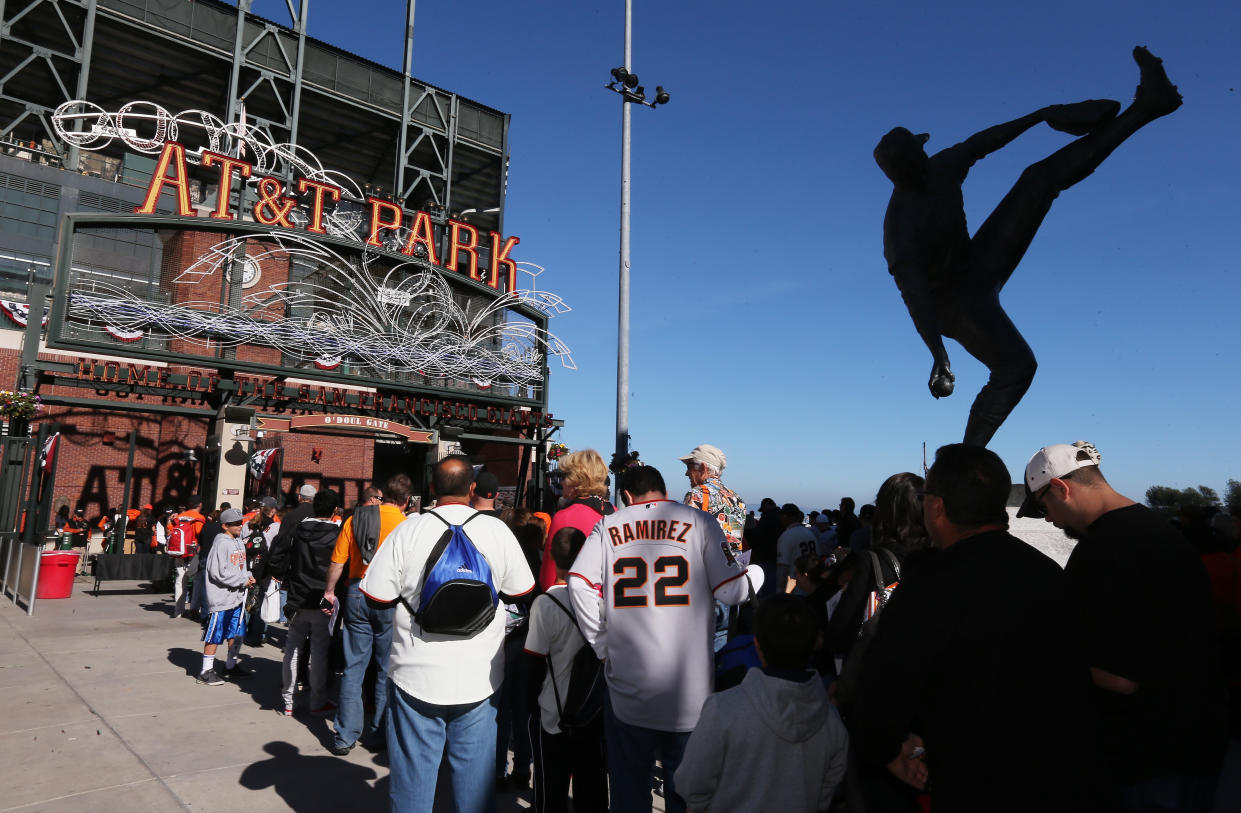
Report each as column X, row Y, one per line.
column 25, row 508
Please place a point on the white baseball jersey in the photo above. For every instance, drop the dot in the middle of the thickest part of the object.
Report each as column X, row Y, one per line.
column 642, row 590
column 795, row 541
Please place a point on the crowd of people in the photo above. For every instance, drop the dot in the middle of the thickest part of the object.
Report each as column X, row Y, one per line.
column 910, row 655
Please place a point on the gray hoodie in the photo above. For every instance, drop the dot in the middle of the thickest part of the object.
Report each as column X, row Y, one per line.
column 768, row 744
column 226, row 576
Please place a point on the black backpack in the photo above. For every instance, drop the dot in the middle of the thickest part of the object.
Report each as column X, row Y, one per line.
column 366, row 531
column 583, row 702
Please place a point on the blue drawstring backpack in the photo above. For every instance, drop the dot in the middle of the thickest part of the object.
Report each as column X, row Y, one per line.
column 458, row 596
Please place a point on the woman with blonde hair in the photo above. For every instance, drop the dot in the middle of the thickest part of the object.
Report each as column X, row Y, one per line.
column 585, row 487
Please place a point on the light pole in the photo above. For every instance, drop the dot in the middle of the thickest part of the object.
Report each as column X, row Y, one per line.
column 625, row 83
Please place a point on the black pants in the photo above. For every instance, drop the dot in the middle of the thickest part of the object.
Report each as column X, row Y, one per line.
column 559, row 757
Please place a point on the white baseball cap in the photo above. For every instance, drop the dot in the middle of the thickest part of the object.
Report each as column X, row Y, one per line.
column 706, row 453
column 756, row 576
column 308, row 491
column 1053, row 462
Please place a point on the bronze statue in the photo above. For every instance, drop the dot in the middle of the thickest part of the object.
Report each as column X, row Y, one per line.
column 950, row 281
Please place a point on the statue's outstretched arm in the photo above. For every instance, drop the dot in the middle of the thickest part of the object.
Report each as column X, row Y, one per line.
column 982, row 144
column 911, row 280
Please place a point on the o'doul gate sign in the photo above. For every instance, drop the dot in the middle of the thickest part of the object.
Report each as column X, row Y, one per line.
column 359, row 422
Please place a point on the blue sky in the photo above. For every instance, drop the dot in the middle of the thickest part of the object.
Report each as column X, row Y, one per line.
column 764, row 320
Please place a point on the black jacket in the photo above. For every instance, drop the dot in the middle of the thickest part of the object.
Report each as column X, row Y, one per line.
column 306, row 566
column 288, row 524
column 211, row 529
column 974, row 652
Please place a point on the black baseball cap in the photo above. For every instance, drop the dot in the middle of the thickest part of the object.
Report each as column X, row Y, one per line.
column 486, row 485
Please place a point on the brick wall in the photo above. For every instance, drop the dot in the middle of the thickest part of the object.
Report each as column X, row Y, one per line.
column 345, row 466
column 185, row 248
column 95, row 446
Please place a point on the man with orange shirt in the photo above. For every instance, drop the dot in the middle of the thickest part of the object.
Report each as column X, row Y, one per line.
column 367, row 630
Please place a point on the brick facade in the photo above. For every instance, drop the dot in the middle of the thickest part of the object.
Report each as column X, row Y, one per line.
column 94, row 451
column 183, row 249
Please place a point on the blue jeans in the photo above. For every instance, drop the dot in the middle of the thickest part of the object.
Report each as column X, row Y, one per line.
column 632, row 751
column 368, row 633
column 417, row 735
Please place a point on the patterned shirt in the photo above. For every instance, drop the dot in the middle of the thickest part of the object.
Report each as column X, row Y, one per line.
column 722, row 503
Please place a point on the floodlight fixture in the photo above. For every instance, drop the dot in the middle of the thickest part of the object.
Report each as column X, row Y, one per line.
column 661, row 95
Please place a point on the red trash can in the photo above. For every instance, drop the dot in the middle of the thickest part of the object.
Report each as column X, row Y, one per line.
column 56, row 571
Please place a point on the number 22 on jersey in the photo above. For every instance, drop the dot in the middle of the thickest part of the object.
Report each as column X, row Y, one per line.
column 630, row 588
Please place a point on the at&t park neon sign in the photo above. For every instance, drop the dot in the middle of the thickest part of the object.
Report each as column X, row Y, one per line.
column 406, row 322
column 273, row 208
column 223, row 146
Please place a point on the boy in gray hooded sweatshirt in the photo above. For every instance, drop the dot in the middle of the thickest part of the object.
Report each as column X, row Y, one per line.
column 774, row 742
column 226, row 580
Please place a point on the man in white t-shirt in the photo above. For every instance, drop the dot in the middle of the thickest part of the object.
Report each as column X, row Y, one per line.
column 442, row 685
column 796, row 540
column 642, row 591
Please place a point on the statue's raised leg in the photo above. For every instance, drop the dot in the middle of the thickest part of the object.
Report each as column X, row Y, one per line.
column 1004, row 237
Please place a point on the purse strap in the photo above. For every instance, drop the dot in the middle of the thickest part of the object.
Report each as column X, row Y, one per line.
column 896, row 564
column 876, row 571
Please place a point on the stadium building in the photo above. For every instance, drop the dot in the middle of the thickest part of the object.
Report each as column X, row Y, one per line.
column 220, row 236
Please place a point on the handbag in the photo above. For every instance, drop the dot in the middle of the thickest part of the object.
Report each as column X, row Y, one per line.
column 269, row 611
column 851, row 673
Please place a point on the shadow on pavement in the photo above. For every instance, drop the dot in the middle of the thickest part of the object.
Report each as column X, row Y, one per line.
column 188, row 659
column 144, row 590
column 164, row 607
column 264, row 685
column 313, row 783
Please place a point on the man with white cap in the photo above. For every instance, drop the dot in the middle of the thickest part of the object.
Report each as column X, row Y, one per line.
column 282, row 543
column 1145, row 628
column 703, row 467
column 305, row 509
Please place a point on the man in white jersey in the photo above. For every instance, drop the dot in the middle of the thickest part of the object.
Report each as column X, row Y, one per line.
column 642, row 590
column 795, row 540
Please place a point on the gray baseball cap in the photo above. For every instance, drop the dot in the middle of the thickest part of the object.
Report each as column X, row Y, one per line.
column 231, row 516
column 308, row 491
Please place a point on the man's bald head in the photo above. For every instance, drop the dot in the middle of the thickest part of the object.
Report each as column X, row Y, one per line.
column 452, row 477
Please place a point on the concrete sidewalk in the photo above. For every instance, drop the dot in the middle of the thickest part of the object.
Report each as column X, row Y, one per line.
column 99, row 712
